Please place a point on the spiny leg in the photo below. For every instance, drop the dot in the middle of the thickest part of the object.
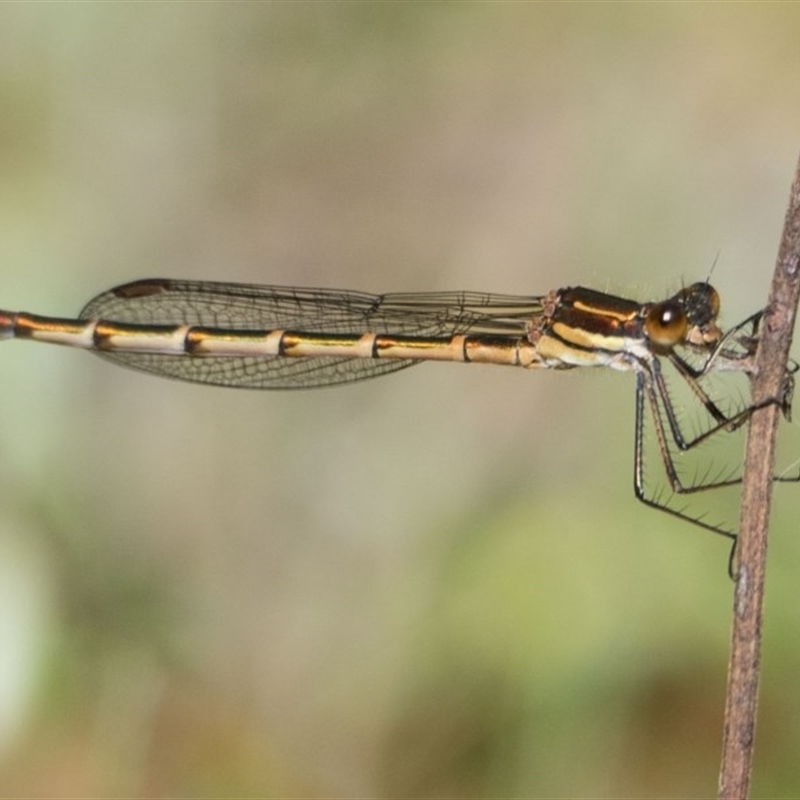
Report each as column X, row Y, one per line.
column 644, row 386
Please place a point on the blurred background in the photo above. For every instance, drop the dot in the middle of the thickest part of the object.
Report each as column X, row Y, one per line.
column 435, row 584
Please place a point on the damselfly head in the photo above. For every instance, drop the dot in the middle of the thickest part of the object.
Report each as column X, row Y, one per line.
column 689, row 317
column 701, row 303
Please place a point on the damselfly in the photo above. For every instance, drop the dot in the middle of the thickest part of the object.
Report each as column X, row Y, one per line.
column 271, row 337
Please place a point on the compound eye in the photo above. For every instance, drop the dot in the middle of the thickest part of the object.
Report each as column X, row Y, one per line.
column 713, row 301
column 666, row 324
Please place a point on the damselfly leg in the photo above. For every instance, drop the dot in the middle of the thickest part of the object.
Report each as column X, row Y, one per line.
column 733, row 353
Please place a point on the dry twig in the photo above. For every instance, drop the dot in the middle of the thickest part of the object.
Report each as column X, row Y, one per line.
column 771, row 359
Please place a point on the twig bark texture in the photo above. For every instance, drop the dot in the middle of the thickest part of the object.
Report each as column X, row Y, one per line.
column 771, row 359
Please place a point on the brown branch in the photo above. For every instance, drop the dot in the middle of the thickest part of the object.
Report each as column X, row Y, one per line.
column 771, row 359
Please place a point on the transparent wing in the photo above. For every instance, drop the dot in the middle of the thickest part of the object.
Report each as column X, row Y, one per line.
column 250, row 307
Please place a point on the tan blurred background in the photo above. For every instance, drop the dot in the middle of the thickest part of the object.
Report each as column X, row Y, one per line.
column 436, row 584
